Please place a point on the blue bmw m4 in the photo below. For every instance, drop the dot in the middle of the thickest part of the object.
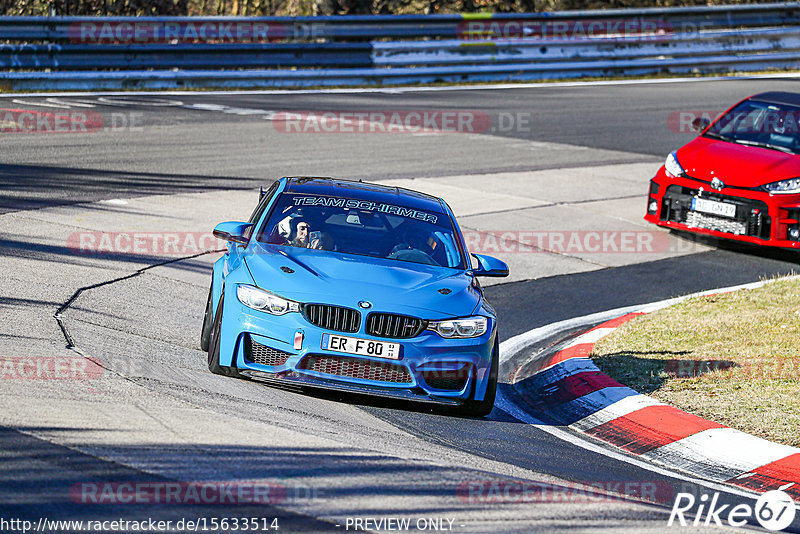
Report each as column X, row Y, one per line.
column 354, row 287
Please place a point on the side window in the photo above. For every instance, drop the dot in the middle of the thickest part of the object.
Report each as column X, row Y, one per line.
column 259, row 211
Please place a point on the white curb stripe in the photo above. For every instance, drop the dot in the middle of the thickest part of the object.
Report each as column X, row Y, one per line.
column 720, row 453
column 504, row 404
column 592, row 336
column 620, row 408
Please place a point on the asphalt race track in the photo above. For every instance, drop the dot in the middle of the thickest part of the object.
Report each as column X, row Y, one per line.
column 573, row 158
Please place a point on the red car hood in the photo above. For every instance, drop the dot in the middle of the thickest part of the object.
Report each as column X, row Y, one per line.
column 736, row 165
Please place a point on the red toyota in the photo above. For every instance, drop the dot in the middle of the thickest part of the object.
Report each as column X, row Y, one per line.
column 740, row 178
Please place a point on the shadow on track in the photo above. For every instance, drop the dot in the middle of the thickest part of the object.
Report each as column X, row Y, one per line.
column 26, row 187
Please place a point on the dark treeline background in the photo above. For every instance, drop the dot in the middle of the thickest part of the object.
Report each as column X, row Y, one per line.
column 322, row 7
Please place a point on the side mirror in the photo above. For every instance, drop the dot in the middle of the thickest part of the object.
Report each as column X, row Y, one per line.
column 700, row 123
column 232, row 231
column 489, row 266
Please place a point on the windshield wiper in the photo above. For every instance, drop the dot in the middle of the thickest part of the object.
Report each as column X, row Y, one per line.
column 765, row 145
column 715, row 135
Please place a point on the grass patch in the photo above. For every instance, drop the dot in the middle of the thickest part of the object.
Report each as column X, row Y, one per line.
column 732, row 358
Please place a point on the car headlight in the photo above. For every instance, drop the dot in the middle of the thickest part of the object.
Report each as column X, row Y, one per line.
column 673, row 168
column 784, row 187
column 258, row 299
column 466, row 327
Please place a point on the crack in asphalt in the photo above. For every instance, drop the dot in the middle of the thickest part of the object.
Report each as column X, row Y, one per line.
column 65, row 306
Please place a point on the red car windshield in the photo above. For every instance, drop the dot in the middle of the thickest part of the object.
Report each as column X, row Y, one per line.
column 367, row 228
column 763, row 124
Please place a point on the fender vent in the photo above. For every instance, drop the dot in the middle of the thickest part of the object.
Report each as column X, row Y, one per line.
column 255, row 352
column 447, row 380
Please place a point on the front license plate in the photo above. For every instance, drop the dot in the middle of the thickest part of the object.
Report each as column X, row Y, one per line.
column 714, row 207
column 362, row 347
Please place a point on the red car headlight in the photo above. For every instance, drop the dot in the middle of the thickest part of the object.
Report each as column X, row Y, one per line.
column 673, row 168
column 783, row 187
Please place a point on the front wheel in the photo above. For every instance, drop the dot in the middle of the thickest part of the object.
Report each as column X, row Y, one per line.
column 214, row 343
column 473, row 408
column 205, row 333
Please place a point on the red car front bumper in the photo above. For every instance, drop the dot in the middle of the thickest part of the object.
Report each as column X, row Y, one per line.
column 760, row 218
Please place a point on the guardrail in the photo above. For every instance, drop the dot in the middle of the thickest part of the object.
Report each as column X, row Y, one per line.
column 42, row 53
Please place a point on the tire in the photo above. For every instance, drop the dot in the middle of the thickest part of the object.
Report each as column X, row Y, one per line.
column 214, row 343
column 473, row 408
column 205, row 333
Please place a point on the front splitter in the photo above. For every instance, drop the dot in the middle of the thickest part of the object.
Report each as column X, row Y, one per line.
column 330, row 385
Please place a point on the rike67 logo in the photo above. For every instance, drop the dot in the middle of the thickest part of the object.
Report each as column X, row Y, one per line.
column 774, row 510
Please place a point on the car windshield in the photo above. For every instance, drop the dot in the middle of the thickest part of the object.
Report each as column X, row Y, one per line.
column 763, row 124
column 367, row 228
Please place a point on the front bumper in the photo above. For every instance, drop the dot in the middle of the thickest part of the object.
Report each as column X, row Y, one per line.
column 760, row 218
column 430, row 368
column 288, row 378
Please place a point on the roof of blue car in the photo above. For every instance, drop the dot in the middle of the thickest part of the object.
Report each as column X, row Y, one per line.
column 363, row 191
column 778, row 97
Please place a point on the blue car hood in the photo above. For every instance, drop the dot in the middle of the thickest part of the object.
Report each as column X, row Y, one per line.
column 345, row 279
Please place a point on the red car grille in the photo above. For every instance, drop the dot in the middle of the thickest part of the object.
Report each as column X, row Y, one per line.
column 752, row 216
column 356, row 368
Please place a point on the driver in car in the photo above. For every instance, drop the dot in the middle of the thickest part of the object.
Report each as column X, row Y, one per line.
column 302, row 236
column 415, row 245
